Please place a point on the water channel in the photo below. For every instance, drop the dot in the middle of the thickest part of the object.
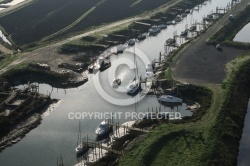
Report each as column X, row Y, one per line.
column 243, row 35
column 57, row 135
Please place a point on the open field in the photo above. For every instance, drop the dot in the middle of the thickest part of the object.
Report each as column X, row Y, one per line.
column 49, row 17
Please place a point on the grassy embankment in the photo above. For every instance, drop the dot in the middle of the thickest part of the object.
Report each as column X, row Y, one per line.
column 212, row 138
column 25, row 72
column 6, row 59
column 226, row 34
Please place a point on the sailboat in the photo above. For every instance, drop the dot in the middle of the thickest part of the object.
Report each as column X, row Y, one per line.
column 171, row 99
column 81, row 148
column 135, row 85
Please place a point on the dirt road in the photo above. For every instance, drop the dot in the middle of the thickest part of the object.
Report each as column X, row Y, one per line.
column 5, row 50
column 202, row 63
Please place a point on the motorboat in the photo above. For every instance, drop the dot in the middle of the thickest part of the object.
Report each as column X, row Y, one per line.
column 94, row 67
column 162, row 26
column 133, row 87
column 178, row 18
column 82, row 148
column 154, row 30
column 118, row 49
column 192, row 28
column 104, row 64
column 170, row 41
column 209, row 17
column 187, row 11
column 169, row 23
column 131, row 42
column 174, row 22
column 169, row 99
column 142, row 37
column 184, row 33
column 184, row 15
column 116, row 83
column 103, row 128
column 196, row 8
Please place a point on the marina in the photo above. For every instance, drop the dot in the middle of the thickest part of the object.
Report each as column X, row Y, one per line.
column 53, row 137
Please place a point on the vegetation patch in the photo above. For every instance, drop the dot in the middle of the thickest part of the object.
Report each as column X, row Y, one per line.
column 5, row 60
column 196, row 142
column 20, row 74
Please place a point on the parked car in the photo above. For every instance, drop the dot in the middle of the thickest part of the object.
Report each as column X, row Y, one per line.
column 218, row 46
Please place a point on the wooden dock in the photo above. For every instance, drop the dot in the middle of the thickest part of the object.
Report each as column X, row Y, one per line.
column 98, row 145
column 142, row 23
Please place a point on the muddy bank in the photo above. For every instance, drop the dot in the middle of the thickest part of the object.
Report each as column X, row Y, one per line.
column 20, row 113
column 31, row 73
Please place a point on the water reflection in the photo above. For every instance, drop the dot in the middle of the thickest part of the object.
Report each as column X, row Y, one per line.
column 57, row 135
column 243, row 35
column 243, row 156
column 4, row 38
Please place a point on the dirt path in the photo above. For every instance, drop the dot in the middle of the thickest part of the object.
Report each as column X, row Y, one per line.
column 202, row 63
column 5, row 50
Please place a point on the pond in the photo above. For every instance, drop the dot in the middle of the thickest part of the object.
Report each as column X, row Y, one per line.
column 243, row 35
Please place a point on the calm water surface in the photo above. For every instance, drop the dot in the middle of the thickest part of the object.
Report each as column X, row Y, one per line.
column 243, row 35
column 243, row 156
column 57, row 135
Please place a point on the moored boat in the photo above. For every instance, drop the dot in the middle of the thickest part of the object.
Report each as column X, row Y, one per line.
column 154, row 30
column 169, row 99
column 103, row 128
column 116, row 83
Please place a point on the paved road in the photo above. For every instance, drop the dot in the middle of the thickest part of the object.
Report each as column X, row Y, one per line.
column 202, row 63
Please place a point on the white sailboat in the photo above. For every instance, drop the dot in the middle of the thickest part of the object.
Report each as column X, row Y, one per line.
column 81, row 147
column 135, row 85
